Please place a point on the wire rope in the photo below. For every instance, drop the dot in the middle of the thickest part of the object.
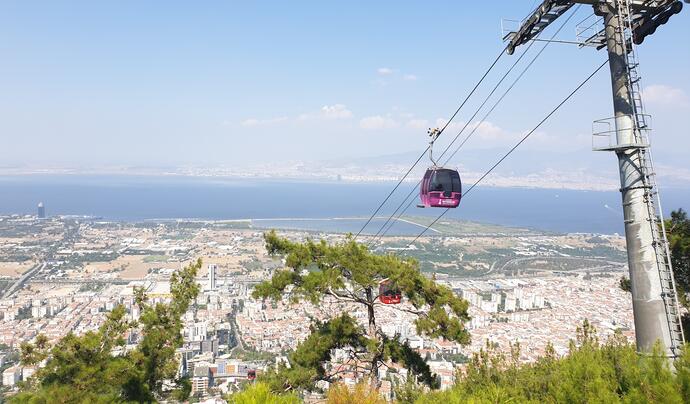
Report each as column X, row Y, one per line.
column 486, row 73
column 512, row 149
column 390, row 221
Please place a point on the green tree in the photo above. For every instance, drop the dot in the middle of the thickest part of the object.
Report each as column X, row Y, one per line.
column 361, row 393
column 94, row 367
column 407, row 391
column 348, row 272
column 678, row 234
column 162, row 328
column 260, row 393
column 591, row 372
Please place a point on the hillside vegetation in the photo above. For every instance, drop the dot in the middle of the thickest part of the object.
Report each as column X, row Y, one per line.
column 592, row 372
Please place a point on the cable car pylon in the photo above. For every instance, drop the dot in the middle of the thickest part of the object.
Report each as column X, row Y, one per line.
column 626, row 23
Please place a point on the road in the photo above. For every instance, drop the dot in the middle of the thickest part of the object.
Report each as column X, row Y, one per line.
column 20, row 282
column 68, row 237
column 68, row 281
column 238, row 337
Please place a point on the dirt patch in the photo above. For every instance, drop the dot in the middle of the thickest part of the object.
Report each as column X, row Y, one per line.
column 127, row 266
column 15, row 269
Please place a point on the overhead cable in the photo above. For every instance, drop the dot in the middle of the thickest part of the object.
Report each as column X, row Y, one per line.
column 391, row 221
column 553, row 111
column 439, row 134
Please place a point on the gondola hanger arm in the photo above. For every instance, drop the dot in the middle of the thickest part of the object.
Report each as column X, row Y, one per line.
column 434, row 133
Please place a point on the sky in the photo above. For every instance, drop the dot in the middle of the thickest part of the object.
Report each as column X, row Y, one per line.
column 229, row 83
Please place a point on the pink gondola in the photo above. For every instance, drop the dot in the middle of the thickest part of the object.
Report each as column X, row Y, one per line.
column 440, row 188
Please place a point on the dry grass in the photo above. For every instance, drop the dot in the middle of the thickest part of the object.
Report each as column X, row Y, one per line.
column 15, row 269
column 127, row 266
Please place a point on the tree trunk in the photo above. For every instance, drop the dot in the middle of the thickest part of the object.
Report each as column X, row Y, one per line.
column 371, row 331
column 373, row 334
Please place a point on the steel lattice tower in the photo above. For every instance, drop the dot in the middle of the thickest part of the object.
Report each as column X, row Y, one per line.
column 625, row 24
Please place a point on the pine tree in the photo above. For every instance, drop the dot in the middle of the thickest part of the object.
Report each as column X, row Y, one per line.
column 94, row 367
column 348, row 272
column 678, row 233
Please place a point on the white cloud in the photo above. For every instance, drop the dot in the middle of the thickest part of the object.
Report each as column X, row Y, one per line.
column 410, row 77
column 377, row 122
column 489, row 131
column 384, row 71
column 454, row 127
column 665, row 95
column 418, row 124
column 251, row 122
column 486, row 133
column 331, row 112
column 337, row 111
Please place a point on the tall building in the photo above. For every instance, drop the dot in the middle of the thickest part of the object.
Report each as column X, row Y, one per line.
column 210, row 345
column 41, row 211
column 212, row 277
column 200, row 381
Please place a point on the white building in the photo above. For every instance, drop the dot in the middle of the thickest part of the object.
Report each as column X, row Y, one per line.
column 200, row 381
column 510, row 304
column 489, row 307
column 11, row 376
column 197, row 331
column 212, row 277
column 27, row 372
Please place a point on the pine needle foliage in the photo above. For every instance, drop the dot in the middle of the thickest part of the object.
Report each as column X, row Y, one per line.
column 260, row 393
column 360, row 393
column 94, row 367
column 592, row 372
column 348, row 272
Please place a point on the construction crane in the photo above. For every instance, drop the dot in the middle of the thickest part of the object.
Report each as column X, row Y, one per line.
column 626, row 24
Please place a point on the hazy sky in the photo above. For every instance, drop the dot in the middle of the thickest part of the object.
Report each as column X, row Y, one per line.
column 228, row 82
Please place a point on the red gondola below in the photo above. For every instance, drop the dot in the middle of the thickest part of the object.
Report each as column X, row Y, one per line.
column 440, row 188
column 388, row 294
column 251, row 374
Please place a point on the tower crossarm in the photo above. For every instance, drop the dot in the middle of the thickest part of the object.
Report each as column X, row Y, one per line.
column 643, row 16
column 546, row 13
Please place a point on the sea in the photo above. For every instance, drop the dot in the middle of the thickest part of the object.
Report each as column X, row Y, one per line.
column 320, row 206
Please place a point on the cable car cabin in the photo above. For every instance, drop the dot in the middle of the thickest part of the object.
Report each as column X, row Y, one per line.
column 440, row 188
column 251, row 374
column 388, row 294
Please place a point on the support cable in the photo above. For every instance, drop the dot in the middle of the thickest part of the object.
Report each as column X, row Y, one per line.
column 553, row 111
column 412, row 191
column 383, row 230
column 486, row 73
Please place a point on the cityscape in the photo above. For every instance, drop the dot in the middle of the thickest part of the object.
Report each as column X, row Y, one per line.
column 63, row 275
